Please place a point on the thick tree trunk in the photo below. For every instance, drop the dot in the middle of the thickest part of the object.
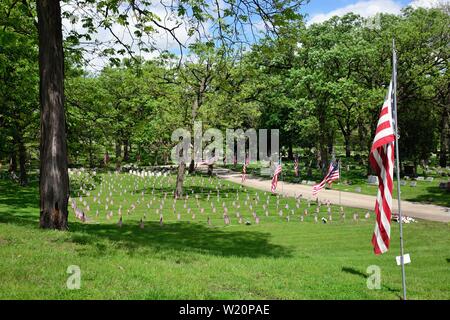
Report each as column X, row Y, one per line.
column 54, row 178
column 180, row 180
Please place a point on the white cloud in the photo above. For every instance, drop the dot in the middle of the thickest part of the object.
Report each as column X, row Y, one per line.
column 427, row 3
column 364, row 8
column 103, row 38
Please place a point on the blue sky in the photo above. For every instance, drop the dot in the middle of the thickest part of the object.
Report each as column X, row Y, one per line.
column 320, row 10
column 321, row 6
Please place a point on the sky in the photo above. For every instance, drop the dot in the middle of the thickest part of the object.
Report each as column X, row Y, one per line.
column 316, row 11
column 321, row 10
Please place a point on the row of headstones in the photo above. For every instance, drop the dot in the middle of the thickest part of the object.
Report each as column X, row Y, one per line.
column 373, row 180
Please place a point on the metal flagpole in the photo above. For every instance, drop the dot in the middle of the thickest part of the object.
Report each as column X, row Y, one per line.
column 281, row 177
column 339, row 168
column 394, row 91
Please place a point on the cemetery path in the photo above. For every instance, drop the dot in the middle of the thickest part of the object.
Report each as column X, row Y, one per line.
column 354, row 200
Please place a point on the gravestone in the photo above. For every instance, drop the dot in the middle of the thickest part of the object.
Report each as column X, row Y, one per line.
column 413, row 184
column 430, row 179
column 373, row 180
column 403, row 183
column 420, row 179
column 358, row 190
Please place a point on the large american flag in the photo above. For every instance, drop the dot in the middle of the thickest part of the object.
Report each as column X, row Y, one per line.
column 382, row 161
column 277, row 172
column 332, row 175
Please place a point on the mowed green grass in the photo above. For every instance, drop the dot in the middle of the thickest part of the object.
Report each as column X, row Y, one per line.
column 189, row 259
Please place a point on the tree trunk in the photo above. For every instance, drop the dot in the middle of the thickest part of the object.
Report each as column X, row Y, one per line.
column 22, row 162
column 126, row 155
column 54, row 178
column 180, row 180
column 192, row 166
column 210, row 169
column 348, row 151
column 91, row 155
column 290, row 151
column 13, row 160
column 118, row 153
column 444, row 139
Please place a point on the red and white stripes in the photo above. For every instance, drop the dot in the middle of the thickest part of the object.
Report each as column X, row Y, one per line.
column 382, row 161
column 275, row 178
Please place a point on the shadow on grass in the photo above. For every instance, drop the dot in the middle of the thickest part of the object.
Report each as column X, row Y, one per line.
column 18, row 197
column 354, row 272
column 180, row 236
column 358, row 273
column 434, row 195
column 448, row 260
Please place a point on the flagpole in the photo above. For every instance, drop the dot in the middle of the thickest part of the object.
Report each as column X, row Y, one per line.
column 340, row 172
column 281, row 180
column 394, row 63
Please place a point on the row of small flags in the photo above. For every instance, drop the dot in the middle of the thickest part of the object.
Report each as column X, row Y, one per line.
column 80, row 214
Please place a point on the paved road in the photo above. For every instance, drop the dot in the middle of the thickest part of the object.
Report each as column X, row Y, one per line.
column 354, row 200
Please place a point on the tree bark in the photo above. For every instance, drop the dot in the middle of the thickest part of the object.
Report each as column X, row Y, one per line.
column 348, row 151
column 13, row 160
column 180, row 180
column 118, row 153
column 444, row 139
column 23, row 179
column 126, row 155
column 91, row 154
column 210, row 169
column 290, row 151
column 192, row 166
column 54, row 178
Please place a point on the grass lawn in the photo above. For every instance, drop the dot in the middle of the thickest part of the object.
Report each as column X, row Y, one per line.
column 189, row 259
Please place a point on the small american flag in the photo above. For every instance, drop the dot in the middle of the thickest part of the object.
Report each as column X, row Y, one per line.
column 277, row 172
column 382, row 161
column 332, row 175
column 244, row 170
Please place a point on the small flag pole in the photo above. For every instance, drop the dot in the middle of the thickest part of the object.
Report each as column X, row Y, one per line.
column 397, row 158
